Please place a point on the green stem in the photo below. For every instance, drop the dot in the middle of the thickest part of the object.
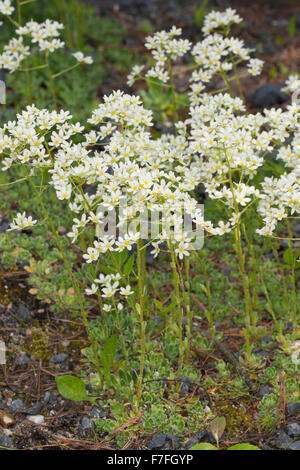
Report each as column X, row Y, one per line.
column 140, row 310
column 176, row 282
column 294, row 295
column 51, row 81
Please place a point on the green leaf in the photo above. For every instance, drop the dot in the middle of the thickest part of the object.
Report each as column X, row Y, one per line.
column 72, row 388
column 158, row 304
column 203, row 446
column 108, row 353
column 292, row 27
column 129, row 265
column 288, row 257
column 245, row 446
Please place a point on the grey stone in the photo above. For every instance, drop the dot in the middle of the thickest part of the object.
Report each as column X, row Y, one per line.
column 293, row 408
column 35, row 409
column 50, row 398
column 96, row 413
column 6, row 441
column 17, row 406
column 22, row 358
column 205, row 436
column 283, row 440
column 294, row 446
column 59, row 358
column 269, row 95
column 23, row 313
column 293, row 429
column 264, row 390
column 1, row 405
column 86, row 425
column 37, row 419
column 157, row 441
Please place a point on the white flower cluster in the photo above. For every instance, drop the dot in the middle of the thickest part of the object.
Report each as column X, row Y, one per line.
column 165, row 47
column 216, row 54
column 109, row 285
column 220, row 19
column 21, row 222
column 46, row 35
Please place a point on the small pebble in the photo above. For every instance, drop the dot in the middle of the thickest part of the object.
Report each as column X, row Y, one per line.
column 96, row 413
column 293, row 408
column 50, row 398
column 37, row 419
column 283, row 440
column 23, row 358
column 6, row 441
column 157, row 441
column 35, row 409
column 294, row 446
column 6, row 420
column 17, row 406
column 293, row 429
column 59, row 358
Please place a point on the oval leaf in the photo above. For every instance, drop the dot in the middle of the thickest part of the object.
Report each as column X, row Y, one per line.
column 203, row 446
column 71, row 387
column 245, row 446
column 217, row 427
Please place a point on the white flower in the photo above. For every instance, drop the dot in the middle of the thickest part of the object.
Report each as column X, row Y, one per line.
column 92, row 290
column 79, row 56
column 126, row 291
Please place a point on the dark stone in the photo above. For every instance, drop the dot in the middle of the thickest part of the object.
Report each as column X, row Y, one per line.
column 96, row 413
column 266, row 447
column 294, row 446
column 190, row 443
column 17, row 406
column 175, row 441
column 50, row 398
column 293, row 408
column 264, row 390
column 59, row 358
column 23, row 313
column 293, row 429
column 283, row 440
column 1, row 405
column 157, row 441
column 4, row 225
column 205, row 436
column 22, row 359
column 269, row 95
column 6, row 441
column 185, row 385
column 35, row 409
column 86, row 425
